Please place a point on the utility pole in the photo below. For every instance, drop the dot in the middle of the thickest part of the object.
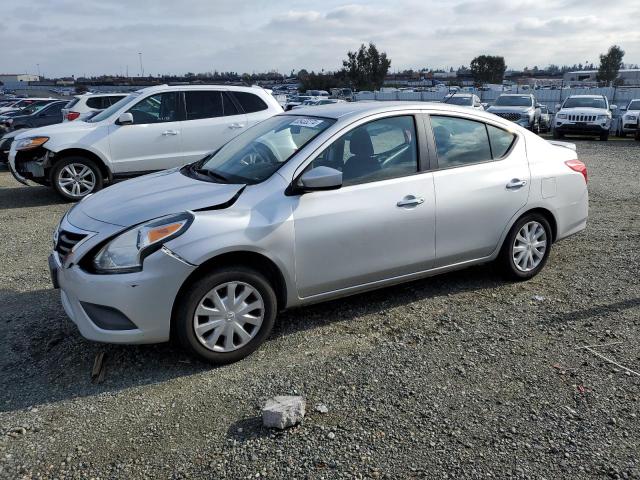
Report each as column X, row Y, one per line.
column 38, row 67
column 141, row 69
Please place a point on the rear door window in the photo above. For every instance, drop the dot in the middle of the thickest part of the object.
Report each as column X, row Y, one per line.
column 501, row 141
column 203, row 104
column 460, row 141
column 229, row 108
column 250, row 102
column 95, row 102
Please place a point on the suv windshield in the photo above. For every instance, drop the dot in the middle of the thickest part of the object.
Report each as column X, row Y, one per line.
column 634, row 105
column 584, row 102
column 106, row 113
column 256, row 154
column 514, row 101
column 465, row 101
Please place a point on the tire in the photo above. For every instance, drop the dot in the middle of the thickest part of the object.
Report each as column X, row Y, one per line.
column 557, row 135
column 506, row 259
column 604, row 137
column 536, row 127
column 199, row 296
column 63, row 169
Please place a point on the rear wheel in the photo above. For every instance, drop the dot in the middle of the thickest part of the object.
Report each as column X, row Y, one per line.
column 76, row 177
column 226, row 314
column 526, row 249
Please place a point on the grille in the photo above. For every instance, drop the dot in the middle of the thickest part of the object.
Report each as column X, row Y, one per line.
column 582, row 118
column 66, row 241
column 509, row 116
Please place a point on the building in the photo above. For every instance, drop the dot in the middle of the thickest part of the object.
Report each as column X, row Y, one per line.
column 627, row 76
column 12, row 81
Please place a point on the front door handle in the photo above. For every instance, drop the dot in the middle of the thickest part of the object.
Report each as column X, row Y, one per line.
column 516, row 183
column 170, row 132
column 236, row 125
column 410, row 201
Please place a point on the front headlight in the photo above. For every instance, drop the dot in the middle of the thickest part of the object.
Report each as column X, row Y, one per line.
column 632, row 117
column 30, row 142
column 602, row 117
column 562, row 115
column 126, row 252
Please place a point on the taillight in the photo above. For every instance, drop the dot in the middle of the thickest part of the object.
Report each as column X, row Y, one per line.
column 71, row 116
column 578, row 166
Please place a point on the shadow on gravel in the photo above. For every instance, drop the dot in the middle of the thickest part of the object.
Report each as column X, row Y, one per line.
column 248, row 429
column 32, row 196
column 597, row 311
column 44, row 359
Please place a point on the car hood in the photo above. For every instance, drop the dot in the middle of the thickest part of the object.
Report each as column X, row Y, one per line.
column 144, row 198
column 66, row 127
column 494, row 109
column 584, row 110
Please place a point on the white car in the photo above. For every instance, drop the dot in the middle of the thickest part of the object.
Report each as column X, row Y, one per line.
column 23, row 103
column 152, row 129
column 82, row 106
column 584, row 115
column 464, row 100
column 630, row 118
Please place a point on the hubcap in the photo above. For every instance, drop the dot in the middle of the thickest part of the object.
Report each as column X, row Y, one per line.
column 228, row 317
column 76, row 180
column 529, row 246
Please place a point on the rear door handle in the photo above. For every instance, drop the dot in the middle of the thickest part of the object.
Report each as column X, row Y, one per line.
column 516, row 183
column 170, row 132
column 410, row 201
column 236, row 125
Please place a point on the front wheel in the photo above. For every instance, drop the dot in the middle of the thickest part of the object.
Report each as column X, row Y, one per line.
column 226, row 314
column 604, row 137
column 557, row 135
column 526, row 249
column 74, row 178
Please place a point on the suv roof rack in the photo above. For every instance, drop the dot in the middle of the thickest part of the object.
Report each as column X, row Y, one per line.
column 208, row 82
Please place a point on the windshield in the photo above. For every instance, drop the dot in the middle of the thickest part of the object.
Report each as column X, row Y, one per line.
column 514, row 101
column 256, row 154
column 465, row 101
column 634, row 105
column 584, row 102
column 103, row 115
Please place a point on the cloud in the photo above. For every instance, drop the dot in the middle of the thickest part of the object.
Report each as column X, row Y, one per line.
column 104, row 36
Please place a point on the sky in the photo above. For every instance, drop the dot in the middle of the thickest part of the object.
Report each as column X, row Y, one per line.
column 93, row 37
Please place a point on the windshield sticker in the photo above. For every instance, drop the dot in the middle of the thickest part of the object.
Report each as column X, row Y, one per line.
column 306, row 122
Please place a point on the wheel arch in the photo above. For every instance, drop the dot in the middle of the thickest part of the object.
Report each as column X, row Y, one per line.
column 546, row 213
column 245, row 258
column 81, row 152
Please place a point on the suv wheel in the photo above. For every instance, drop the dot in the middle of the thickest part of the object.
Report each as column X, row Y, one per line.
column 226, row 314
column 557, row 135
column 76, row 177
column 604, row 137
column 526, row 249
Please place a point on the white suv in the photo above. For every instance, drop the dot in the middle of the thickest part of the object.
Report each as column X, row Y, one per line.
column 152, row 129
column 630, row 119
column 584, row 115
column 82, row 106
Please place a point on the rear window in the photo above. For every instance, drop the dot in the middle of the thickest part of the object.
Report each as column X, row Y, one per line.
column 72, row 103
column 250, row 103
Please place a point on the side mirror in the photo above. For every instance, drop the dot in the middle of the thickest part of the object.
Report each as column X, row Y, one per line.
column 622, row 109
column 538, row 105
column 125, row 119
column 613, row 107
column 320, row 178
column 485, row 104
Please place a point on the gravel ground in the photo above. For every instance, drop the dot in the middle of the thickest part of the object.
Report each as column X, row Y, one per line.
column 458, row 376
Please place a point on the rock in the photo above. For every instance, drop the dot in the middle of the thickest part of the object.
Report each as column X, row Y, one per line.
column 538, row 298
column 322, row 408
column 283, row 411
column 331, row 435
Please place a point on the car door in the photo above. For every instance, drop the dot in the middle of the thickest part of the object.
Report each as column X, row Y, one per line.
column 153, row 141
column 212, row 119
column 380, row 224
column 481, row 182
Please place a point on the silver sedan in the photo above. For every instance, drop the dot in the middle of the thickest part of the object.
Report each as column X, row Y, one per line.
column 308, row 206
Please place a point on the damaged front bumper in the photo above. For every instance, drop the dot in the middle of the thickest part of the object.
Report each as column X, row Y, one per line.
column 30, row 165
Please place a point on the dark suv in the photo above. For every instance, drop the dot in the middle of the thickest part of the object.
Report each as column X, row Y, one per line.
column 37, row 116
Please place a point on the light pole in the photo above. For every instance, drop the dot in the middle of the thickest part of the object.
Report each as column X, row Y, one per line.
column 38, row 67
column 141, row 69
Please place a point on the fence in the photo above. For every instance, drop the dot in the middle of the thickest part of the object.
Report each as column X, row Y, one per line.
column 617, row 95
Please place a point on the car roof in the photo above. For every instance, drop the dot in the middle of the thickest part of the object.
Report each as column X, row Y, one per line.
column 340, row 111
column 171, row 88
column 516, row 94
column 114, row 94
column 586, row 96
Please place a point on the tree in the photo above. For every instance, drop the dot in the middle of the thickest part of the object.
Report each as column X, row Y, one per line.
column 488, row 69
column 366, row 68
column 610, row 64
